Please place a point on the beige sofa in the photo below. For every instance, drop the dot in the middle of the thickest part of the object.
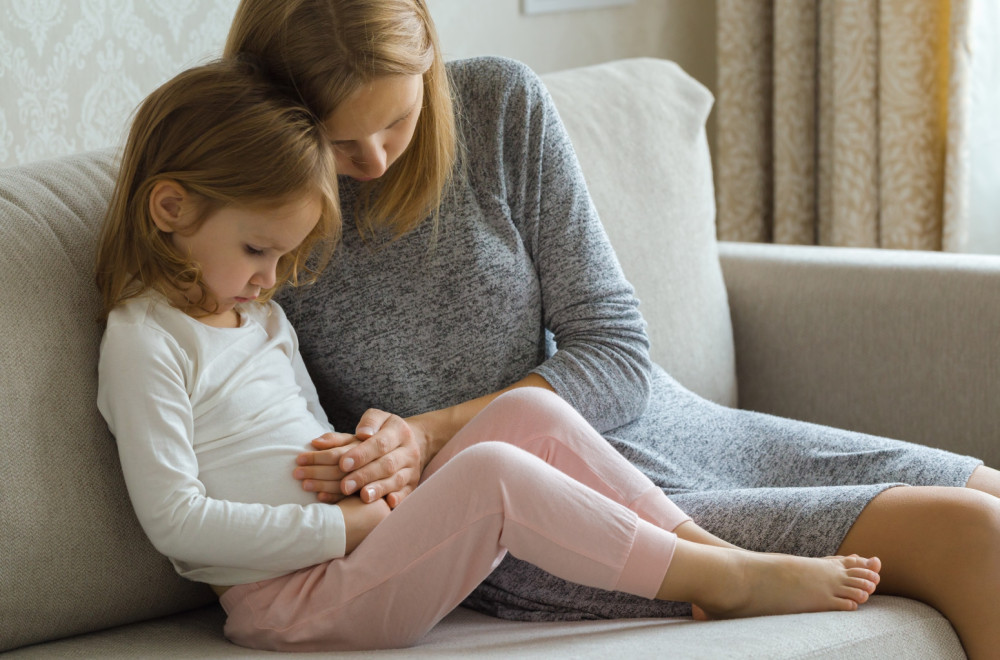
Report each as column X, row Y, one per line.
column 902, row 344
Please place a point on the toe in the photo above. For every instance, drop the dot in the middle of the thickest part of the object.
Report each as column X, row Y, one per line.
column 860, row 583
column 855, row 595
column 864, row 574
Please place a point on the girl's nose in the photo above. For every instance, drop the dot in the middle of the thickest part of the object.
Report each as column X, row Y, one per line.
column 265, row 278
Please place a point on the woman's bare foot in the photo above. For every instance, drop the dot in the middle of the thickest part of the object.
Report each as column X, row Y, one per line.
column 723, row 583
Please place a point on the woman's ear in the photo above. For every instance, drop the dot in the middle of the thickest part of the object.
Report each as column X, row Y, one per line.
column 167, row 203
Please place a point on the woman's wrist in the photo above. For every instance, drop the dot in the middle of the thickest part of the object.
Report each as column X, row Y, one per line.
column 437, row 427
column 433, row 431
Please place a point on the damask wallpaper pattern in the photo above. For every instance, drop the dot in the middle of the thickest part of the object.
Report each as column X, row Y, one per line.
column 72, row 72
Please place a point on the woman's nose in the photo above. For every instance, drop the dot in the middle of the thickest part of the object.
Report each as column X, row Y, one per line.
column 371, row 159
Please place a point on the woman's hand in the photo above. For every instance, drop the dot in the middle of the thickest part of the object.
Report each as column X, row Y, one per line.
column 384, row 458
column 387, row 453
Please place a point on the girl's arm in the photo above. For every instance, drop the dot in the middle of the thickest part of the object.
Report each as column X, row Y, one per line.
column 142, row 394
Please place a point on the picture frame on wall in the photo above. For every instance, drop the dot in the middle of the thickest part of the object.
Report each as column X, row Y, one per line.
column 550, row 6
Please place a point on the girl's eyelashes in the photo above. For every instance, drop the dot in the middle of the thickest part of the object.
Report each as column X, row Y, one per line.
column 251, row 250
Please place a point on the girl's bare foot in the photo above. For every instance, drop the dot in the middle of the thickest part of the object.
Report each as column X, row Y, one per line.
column 782, row 584
column 723, row 583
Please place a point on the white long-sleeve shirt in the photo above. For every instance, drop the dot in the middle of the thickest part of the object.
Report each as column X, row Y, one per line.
column 208, row 423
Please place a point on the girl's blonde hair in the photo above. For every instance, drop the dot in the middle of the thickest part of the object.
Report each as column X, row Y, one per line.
column 228, row 138
column 322, row 51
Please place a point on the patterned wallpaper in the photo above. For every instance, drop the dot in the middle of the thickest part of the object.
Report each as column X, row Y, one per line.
column 72, row 72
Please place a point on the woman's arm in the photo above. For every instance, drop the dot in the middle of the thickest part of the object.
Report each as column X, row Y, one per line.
column 602, row 365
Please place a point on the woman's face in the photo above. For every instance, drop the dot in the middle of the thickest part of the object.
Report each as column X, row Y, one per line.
column 373, row 127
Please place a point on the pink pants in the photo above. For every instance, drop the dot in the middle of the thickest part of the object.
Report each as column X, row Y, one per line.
column 527, row 475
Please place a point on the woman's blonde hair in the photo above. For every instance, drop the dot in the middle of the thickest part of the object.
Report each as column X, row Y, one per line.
column 322, row 51
column 224, row 134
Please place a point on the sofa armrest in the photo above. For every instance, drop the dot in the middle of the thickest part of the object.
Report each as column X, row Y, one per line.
column 895, row 343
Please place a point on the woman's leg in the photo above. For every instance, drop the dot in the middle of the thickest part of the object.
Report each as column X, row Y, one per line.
column 940, row 545
column 450, row 532
column 761, row 482
column 985, row 479
column 541, row 423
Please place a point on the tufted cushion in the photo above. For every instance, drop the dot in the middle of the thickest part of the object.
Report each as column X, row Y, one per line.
column 73, row 556
column 638, row 127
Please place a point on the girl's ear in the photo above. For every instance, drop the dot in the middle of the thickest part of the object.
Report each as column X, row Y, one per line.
column 167, row 203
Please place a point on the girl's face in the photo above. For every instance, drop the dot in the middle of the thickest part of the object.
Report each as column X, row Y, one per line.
column 237, row 249
column 373, row 127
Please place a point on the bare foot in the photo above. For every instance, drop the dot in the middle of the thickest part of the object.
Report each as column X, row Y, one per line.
column 759, row 584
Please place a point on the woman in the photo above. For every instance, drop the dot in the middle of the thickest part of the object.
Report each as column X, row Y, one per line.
column 471, row 250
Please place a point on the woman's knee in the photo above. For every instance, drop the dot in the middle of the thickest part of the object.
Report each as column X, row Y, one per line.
column 985, row 479
column 916, row 517
column 970, row 512
column 979, row 515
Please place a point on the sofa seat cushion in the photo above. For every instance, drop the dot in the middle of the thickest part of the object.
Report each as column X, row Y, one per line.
column 886, row 627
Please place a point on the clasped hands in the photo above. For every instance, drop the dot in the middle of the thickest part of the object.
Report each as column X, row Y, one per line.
column 383, row 458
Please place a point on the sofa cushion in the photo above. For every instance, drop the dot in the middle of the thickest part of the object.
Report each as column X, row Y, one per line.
column 886, row 627
column 73, row 556
column 638, row 127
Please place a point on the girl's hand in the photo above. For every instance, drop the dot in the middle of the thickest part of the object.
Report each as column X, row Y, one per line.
column 319, row 471
column 385, row 459
column 360, row 519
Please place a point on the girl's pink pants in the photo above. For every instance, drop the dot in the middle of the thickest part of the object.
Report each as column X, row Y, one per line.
column 527, row 475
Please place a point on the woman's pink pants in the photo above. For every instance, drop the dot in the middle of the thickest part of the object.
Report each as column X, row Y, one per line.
column 527, row 475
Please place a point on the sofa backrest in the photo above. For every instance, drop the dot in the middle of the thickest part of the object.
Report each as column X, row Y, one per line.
column 72, row 555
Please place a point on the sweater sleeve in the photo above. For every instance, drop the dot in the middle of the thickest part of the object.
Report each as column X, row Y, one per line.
column 143, row 396
column 601, row 365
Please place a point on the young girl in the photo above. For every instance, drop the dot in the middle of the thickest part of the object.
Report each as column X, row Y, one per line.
column 520, row 257
column 223, row 195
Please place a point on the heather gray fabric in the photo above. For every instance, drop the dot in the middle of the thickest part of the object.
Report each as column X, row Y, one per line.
column 436, row 318
column 649, row 173
column 430, row 319
column 72, row 555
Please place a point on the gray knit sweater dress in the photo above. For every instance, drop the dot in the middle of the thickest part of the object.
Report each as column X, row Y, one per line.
column 519, row 266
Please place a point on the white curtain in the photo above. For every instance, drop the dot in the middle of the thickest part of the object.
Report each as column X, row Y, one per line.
column 984, row 129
